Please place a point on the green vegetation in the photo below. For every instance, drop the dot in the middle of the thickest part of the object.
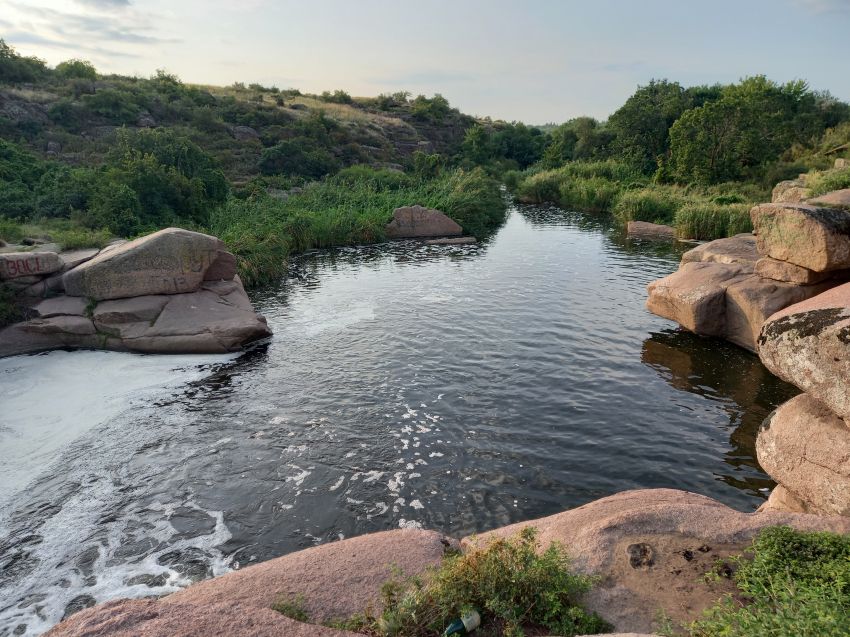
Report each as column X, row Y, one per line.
column 292, row 607
column 794, row 584
column 823, row 182
column 512, row 586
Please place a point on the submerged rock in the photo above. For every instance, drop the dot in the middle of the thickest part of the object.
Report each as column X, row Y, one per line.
column 806, row 448
column 413, row 222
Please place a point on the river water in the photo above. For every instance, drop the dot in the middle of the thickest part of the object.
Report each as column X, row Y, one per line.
column 456, row 388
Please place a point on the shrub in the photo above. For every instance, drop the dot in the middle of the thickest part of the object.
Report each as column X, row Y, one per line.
column 656, row 205
column 829, row 180
column 795, row 584
column 300, row 156
column 17, row 68
column 593, row 194
column 707, row 221
column 81, row 69
column 10, row 311
column 510, row 584
column 116, row 105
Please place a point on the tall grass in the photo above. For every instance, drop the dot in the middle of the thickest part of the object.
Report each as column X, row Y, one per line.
column 708, row 220
column 67, row 234
column 350, row 208
column 585, row 186
column 654, row 204
column 827, row 181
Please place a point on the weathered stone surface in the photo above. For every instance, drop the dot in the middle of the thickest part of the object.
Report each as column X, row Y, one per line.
column 36, row 290
column 808, row 344
column 806, row 448
column 14, row 265
column 768, row 268
column 739, row 249
column 678, row 527
column 751, row 301
column 451, row 241
column 805, row 235
column 695, row 295
column 48, row 333
column 223, row 268
column 335, row 580
column 171, row 261
column 837, row 198
column 73, row 258
column 791, row 191
column 783, row 501
column 413, row 222
column 61, row 305
column 128, row 318
column 646, row 229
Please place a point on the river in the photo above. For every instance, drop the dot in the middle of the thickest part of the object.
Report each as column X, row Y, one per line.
column 456, row 388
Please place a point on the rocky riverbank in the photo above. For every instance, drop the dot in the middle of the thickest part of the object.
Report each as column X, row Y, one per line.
column 172, row 291
column 649, row 547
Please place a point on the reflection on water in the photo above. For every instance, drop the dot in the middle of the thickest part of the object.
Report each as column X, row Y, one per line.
column 449, row 387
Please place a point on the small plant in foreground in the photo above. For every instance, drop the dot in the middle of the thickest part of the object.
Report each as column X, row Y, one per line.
column 292, row 607
column 512, row 585
column 794, row 584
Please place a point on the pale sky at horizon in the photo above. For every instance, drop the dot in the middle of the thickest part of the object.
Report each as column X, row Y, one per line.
column 537, row 61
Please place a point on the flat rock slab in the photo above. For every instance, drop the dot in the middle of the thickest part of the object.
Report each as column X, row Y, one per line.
column 650, row 230
column 450, row 241
column 42, row 334
column 809, row 236
column 768, row 268
column 751, row 301
column 806, row 448
column 73, row 258
column 836, row 198
column 171, row 261
column 61, row 305
column 695, row 295
column 649, row 546
column 414, row 222
column 335, row 580
column 740, row 249
column 808, row 344
column 14, row 265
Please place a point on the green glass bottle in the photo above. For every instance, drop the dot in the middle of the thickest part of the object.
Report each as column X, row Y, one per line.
column 465, row 625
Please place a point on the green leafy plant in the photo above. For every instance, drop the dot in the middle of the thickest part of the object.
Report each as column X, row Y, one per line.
column 292, row 607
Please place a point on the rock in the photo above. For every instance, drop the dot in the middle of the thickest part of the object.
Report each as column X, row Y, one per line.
column 682, row 534
column 77, row 604
column 646, row 229
column 836, row 198
column 452, row 241
column 145, row 120
column 61, row 305
column 73, row 258
column 806, row 448
column 243, row 133
column 738, row 249
column 695, row 295
column 808, row 344
column 805, row 235
column 791, row 191
column 768, row 268
column 14, row 265
column 36, row 290
column 335, row 580
column 48, row 333
column 414, row 222
column 782, row 500
column 842, row 163
column 171, row 261
column 751, row 301
column 53, row 147
column 223, row 268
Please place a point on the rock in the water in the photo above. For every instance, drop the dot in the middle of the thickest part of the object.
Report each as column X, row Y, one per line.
column 751, row 301
column 451, row 241
column 171, row 261
column 791, row 191
column 695, row 295
column 413, row 222
column 738, row 249
column 805, row 235
column 806, row 448
column 48, row 333
column 836, row 198
column 768, row 268
column 653, row 230
column 14, row 265
column 808, row 344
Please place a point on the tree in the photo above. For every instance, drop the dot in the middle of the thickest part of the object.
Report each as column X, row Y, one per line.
column 17, row 68
column 75, row 68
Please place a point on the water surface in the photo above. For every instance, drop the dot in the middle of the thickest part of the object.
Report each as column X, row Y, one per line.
column 457, row 388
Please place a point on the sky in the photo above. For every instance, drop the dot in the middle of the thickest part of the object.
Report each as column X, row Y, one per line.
column 535, row 61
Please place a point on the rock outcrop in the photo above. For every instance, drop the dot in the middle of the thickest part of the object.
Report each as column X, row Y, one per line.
column 416, row 222
column 173, row 291
column 651, row 549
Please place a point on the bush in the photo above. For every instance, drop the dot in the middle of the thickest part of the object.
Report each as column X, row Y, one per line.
column 795, row 584
column 17, row 68
column 827, row 181
column 81, row 69
column 593, row 194
column 510, row 584
column 656, row 205
column 301, row 156
column 704, row 220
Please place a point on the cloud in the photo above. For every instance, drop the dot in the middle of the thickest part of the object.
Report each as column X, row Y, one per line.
column 26, row 37
column 825, row 6
column 424, row 77
column 105, row 4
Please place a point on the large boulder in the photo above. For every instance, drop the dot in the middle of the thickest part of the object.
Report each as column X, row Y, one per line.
column 652, row 547
column 171, row 261
column 335, row 581
column 695, row 295
column 805, row 235
column 413, row 222
column 751, row 301
column 14, row 265
column 808, row 344
column 768, row 268
column 836, row 198
column 738, row 249
column 806, row 448
column 790, row 191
